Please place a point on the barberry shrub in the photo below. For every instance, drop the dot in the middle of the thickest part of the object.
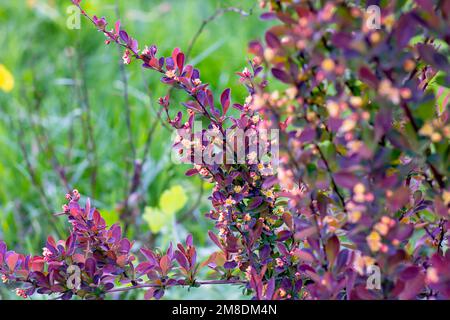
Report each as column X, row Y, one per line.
column 358, row 206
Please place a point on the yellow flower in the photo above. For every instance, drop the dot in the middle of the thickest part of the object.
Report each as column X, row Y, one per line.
column 237, row 189
column 354, row 216
column 328, row 65
column 6, row 79
column 374, row 241
column 446, row 197
column 31, row 3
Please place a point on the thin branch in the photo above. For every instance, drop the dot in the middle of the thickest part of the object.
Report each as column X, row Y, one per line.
column 333, row 182
column 126, row 97
column 438, row 176
column 200, row 283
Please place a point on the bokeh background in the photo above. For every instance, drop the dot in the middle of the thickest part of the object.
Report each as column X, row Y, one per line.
column 72, row 116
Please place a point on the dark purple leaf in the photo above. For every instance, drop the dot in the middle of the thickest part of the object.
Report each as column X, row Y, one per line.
column 345, row 179
column 272, row 40
column 225, row 100
column 124, row 36
column 281, row 75
column 230, row 264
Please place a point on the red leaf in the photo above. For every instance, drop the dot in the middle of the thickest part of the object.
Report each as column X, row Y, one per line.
column 149, row 294
column 11, row 261
column 304, row 256
column 121, row 260
column 175, row 54
column 191, row 172
column 368, row 77
column 165, row 264
column 180, row 61
column 37, row 264
column 332, row 249
column 214, row 239
column 225, row 100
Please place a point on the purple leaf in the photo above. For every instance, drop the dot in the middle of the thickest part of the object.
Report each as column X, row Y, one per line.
column 189, row 240
column 268, row 16
column 182, row 260
column 405, row 30
column 272, row 40
column 345, row 179
column 269, row 182
column 283, row 235
column 281, row 75
column 124, row 36
column 230, row 265
column 225, row 100
column 170, row 63
column 191, row 172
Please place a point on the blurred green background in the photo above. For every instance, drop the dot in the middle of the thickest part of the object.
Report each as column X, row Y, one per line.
column 65, row 122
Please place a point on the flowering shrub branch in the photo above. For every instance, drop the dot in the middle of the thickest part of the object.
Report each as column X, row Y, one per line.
column 95, row 258
column 362, row 181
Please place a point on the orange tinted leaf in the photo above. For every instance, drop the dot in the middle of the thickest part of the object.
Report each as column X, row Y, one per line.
column 165, row 264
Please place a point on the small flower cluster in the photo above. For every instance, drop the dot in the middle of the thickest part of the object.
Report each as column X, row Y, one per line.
column 99, row 254
column 93, row 259
column 363, row 171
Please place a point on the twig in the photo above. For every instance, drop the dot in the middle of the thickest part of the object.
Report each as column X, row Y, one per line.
column 200, row 283
column 333, row 182
column 439, row 177
column 134, row 178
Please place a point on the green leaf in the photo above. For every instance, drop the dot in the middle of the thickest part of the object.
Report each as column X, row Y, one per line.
column 172, row 200
column 111, row 217
column 156, row 219
column 428, row 216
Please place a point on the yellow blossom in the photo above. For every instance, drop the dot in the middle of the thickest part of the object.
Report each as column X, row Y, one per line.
column 328, row 65
column 356, row 102
column 375, row 37
column 446, row 197
column 426, row 130
column 333, row 108
column 374, row 241
column 436, row 137
column 354, row 216
column 382, row 228
column 432, row 275
column 229, row 202
column 237, row 189
column 6, row 79
column 359, row 188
